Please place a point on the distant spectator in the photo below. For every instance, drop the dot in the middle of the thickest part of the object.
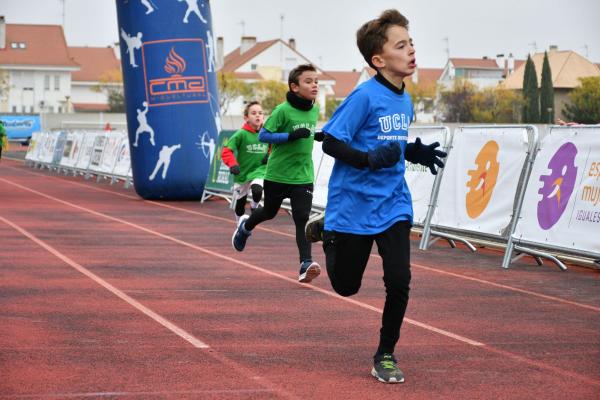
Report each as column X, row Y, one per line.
column 3, row 138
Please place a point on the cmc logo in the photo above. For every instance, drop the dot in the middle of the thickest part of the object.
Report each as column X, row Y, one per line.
column 483, row 179
column 558, row 186
column 175, row 72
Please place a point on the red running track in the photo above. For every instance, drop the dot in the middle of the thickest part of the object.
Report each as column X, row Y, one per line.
column 105, row 295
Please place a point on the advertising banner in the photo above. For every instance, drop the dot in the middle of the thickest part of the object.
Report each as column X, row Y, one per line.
column 561, row 207
column 21, row 126
column 481, row 178
column 219, row 178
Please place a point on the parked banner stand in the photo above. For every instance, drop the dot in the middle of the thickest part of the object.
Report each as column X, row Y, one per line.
column 483, row 184
column 560, row 211
column 219, row 181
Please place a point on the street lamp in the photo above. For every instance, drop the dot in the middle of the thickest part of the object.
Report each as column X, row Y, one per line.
column 549, row 115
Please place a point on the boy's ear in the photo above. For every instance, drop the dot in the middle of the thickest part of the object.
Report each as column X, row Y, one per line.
column 378, row 61
column 294, row 88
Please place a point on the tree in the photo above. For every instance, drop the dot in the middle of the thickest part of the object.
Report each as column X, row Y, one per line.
column 231, row 88
column 531, row 105
column 546, row 93
column 111, row 82
column 422, row 94
column 456, row 102
column 4, row 85
column 495, row 105
column 269, row 93
column 331, row 105
column 584, row 102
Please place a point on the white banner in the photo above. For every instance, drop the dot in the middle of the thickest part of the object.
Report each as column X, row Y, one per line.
column 323, row 165
column 481, row 179
column 72, row 149
column 87, row 147
column 34, row 146
column 561, row 207
column 47, row 150
column 419, row 178
column 97, row 151
column 123, row 161
column 109, row 154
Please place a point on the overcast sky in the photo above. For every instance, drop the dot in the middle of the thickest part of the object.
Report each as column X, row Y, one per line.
column 325, row 29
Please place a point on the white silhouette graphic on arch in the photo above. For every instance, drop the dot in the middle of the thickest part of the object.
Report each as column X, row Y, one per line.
column 208, row 145
column 210, row 51
column 192, row 7
column 164, row 160
column 150, row 6
column 143, row 125
column 133, row 43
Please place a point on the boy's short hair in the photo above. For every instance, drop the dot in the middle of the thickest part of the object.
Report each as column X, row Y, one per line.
column 371, row 37
column 294, row 76
column 248, row 105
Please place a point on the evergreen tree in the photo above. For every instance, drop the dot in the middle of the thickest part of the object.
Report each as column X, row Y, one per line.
column 531, row 107
column 546, row 93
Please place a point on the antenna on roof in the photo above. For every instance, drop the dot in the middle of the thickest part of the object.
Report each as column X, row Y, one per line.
column 243, row 24
column 447, row 49
column 586, row 48
column 281, row 18
column 534, row 46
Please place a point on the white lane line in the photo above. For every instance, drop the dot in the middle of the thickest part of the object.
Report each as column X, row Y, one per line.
column 417, row 265
column 156, row 317
column 247, row 265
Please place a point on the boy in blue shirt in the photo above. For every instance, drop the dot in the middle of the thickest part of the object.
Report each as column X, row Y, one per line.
column 369, row 200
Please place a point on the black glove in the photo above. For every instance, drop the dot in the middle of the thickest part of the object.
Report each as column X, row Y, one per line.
column 384, row 156
column 235, row 170
column 265, row 159
column 428, row 156
column 319, row 136
column 300, row 133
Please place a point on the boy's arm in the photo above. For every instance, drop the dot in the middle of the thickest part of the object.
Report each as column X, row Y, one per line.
column 282, row 137
column 383, row 156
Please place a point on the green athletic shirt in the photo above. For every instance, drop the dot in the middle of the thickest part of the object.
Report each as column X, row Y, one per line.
column 250, row 153
column 291, row 162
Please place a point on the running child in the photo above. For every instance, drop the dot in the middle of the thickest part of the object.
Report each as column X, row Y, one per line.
column 248, row 167
column 369, row 200
column 291, row 132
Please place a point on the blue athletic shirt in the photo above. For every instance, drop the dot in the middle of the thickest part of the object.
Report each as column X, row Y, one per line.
column 361, row 201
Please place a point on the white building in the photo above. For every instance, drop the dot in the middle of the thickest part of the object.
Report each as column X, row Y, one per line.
column 36, row 63
column 99, row 66
column 483, row 72
column 268, row 60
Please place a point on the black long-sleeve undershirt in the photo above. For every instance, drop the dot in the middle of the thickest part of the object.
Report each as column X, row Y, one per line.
column 343, row 152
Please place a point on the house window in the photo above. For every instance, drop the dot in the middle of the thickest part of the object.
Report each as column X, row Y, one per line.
column 46, row 82
column 57, row 83
column 60, row 109
column 22, row 45
column 253, row 67
column 14, row 109
column 30, row 109
column 23, row 109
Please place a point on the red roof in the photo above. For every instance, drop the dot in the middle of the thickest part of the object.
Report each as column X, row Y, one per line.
column 426, row 75
column 43, row 45
column 91, row 107
column 477, row 63
column 95, row 62
column 345, row 82
column 234, row 60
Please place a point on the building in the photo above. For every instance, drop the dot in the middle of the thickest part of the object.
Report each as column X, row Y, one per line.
column 99, row 67
column 37, row 67
column 482, row 72
column 566, row 66
column 269, row 60
column 345, row 82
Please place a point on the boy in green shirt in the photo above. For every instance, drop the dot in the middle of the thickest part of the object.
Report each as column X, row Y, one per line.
column 249, row 166
column 291, row 132
column 3, row 139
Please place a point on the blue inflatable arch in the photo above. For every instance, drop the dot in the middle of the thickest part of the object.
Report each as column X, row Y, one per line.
column 171, row 98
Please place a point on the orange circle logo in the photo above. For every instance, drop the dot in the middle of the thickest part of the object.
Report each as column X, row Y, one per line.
column 483, row 179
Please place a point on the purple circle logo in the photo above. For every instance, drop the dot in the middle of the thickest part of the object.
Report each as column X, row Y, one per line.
column 558, row 186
